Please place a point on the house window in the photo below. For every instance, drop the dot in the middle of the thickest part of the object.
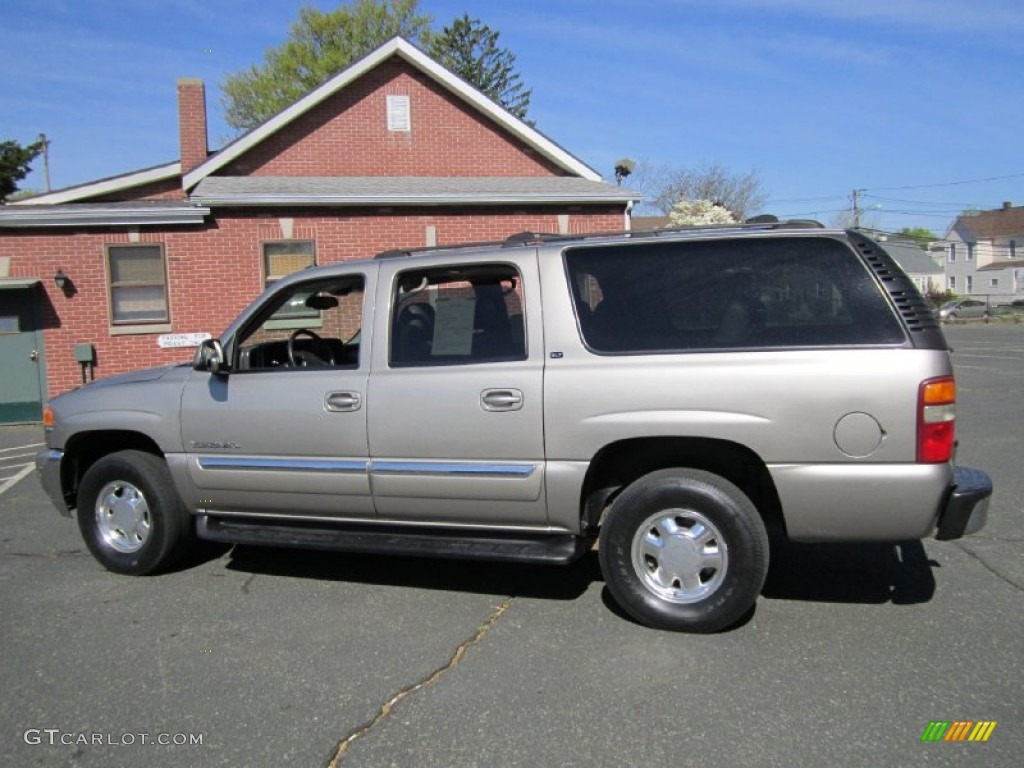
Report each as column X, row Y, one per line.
column 282, row 257
column 952, row 282
column 138, row 284
column 970, row 251
column 952, row 251
column 1013, row 249
column 398, row 114
column 994, row 282
column 970, row 283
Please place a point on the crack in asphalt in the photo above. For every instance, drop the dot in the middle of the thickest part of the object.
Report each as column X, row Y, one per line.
column 46, row 555
column 433, row 677
column 990, row 568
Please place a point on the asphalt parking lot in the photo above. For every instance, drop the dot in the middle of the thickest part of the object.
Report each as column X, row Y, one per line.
column 251, row 657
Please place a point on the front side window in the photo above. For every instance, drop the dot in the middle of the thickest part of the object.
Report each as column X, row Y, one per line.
column 737, row 293
column 138, row 284
column 311, row 325
column 457, row 315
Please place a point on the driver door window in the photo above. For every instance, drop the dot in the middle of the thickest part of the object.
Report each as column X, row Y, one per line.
column 311, row 325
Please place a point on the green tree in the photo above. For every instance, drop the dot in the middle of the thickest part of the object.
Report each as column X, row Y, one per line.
column 920, row 235
column 15, row 162
column 319, row 46
column 469, row 48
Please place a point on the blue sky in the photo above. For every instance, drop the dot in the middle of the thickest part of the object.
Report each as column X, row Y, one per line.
column 914, row 101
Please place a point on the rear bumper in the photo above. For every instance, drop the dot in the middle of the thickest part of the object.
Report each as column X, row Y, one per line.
column 48, row 467
column 966, row 508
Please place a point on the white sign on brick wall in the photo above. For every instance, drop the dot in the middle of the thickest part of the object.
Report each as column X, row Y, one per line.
column 176, row 340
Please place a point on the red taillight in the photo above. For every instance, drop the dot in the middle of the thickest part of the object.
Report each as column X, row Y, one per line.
column 936, row 417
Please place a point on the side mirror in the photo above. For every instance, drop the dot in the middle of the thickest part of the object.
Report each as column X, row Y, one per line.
column 210, row 357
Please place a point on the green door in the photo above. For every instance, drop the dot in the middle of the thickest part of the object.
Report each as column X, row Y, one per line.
column 21, row 350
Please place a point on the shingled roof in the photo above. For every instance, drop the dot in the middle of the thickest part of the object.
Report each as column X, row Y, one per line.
column 989, row 225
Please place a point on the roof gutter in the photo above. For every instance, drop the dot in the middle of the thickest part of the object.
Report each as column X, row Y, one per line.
column 257, row 200
column 113, row 216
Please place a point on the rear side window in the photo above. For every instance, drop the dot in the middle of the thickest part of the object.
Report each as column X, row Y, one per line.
column 457, row 315
column 727, row 294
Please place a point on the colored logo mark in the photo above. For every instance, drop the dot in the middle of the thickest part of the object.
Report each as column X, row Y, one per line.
column 958, row 730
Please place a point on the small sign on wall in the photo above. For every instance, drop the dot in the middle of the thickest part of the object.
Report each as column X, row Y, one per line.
column 180, row 340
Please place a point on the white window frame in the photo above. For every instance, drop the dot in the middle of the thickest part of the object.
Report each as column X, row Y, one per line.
column 135, row 325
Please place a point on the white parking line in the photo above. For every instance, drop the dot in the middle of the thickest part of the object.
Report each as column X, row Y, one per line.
column 8, row 484
column 21, row 447
column 14, row 456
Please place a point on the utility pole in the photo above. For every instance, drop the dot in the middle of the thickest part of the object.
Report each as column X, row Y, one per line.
column 46, row 159
column 856, row 207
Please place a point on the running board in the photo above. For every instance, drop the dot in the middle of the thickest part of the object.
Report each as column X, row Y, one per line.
column 552, row 549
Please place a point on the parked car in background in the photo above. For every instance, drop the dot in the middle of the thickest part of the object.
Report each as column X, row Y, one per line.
column 963, row 308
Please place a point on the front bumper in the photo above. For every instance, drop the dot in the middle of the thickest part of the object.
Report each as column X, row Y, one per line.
column 966, row 507
column 48, row 467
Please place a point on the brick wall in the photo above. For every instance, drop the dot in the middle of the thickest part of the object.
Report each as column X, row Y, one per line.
column 214, row 270
column 347, row 135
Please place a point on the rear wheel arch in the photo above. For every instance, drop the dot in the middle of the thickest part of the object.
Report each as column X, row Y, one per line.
column 621, row 463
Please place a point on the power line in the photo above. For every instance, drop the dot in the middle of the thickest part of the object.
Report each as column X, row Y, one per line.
column 946, row 184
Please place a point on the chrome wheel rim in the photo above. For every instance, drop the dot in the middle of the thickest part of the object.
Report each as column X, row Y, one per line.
column 122, row 517
column 679, row 555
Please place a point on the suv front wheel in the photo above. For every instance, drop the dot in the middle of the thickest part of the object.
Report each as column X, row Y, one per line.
column 130, row 514
column 684, row 550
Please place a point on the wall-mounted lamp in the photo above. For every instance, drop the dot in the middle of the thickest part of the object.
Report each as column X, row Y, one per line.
column 61, row 279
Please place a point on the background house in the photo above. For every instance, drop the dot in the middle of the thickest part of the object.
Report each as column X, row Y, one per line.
column 394, row 152
column 985, row 254
column 916, row 262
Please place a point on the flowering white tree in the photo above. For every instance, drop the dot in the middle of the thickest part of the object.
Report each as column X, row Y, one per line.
column 688, row 213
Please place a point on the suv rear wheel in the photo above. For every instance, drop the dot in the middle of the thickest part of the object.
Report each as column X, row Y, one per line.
column 684, row 550
column 130, row 514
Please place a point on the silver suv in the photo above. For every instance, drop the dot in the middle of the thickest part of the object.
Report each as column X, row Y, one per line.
column 675, row 396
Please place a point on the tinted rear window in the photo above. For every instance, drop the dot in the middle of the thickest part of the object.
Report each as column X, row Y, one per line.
column 739, row 293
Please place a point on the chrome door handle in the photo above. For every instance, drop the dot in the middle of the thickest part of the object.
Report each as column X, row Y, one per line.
column 34, row 355
column 342, row 401
column 501, row 399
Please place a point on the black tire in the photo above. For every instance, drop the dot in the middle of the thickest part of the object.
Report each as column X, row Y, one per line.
column 684, row 550
column 130, row 514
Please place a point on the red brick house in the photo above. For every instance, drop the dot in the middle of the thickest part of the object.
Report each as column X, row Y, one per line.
column 395, row 151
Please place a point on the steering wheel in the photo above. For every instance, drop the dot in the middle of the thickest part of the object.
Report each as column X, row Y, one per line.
column 319, row 355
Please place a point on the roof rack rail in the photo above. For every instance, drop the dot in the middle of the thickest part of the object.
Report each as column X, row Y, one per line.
column 764, row 221
column 531, row 238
